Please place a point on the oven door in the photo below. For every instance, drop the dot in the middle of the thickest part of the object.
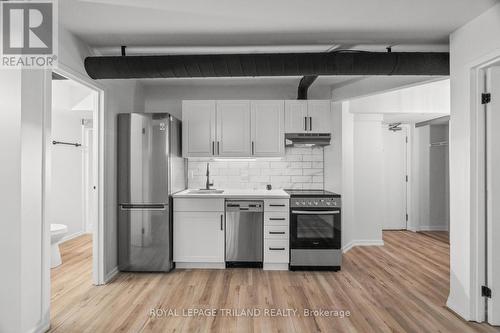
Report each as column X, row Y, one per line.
column 315, row 228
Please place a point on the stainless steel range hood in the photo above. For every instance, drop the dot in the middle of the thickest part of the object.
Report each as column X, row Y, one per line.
column 307, row 139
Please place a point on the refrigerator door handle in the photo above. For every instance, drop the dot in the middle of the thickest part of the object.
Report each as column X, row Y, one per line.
column 143, row 206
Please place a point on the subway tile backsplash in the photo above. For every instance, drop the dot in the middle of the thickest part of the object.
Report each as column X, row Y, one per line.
column 299, row 168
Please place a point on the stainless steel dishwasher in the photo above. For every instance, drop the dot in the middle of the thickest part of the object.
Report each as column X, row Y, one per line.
column 244, row 233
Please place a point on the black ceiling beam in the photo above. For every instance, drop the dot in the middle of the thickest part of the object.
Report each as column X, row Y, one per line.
column 272, row 64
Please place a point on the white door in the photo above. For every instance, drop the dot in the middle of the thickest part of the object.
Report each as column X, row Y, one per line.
column 267, row 128
column 493, row 198
column 198, row 128
column 233, row 128
column 198, row 237
column 319, row 116
column 295, row 116
column 395, row 172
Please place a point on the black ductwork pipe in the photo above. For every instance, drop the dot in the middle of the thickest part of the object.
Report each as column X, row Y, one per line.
column 304, row 85
column 273, row 64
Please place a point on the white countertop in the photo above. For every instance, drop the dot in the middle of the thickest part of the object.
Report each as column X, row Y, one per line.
column 236, row 194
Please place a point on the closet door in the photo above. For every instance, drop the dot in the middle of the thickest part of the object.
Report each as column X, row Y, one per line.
column 233, row 129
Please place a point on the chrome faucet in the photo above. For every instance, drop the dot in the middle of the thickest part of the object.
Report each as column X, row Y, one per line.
column 208, row 184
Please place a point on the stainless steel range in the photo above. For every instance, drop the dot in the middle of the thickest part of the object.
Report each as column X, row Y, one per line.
column 315, row 230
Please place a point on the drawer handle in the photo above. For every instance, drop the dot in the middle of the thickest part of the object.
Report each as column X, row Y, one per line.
column 277, row 248
column 274, row 205
column 276, row 232
column 277, row 219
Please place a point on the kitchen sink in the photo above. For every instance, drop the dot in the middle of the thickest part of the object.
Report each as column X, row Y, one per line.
column 203, row 191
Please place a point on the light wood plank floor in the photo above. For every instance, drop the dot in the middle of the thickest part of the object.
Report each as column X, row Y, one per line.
column 400, row 287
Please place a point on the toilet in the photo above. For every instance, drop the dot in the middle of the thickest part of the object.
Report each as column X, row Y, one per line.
column 57, row 232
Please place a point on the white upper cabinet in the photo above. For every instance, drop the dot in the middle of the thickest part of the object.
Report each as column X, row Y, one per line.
column 307, row 116
column 295, row 116
column 267, row 128
column 198, row 128
column 233, row 128
column 319, row 116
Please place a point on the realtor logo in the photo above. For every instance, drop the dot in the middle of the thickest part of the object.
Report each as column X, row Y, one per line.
column 28, row 34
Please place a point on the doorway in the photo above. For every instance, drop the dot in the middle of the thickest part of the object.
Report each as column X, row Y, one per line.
column 72, row 184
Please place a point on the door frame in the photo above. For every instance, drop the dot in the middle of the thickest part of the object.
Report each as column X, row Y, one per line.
column 478, row 186
column 98, row 272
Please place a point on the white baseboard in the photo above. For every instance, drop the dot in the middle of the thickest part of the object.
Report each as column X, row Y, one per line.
column 76, row 234
column 41, row 328
column 362, row 242
column 201, row 265
column 433, row 228
column 275, row 267
column 111, row 275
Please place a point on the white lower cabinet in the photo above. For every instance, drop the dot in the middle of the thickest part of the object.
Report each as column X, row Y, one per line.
column 198, row 236
column 199, row 233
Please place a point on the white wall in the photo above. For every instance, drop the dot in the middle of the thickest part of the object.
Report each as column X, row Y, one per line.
column 23, row 295
column 333, row 152
column 66, row 188
column 363, row 176
column 474, row 43
column 431, row 97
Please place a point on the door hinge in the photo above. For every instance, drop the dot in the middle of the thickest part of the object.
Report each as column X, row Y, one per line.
column 485, row 291
column 407, row 178
column 485, row 98
column 406, row 217
column 406, row 139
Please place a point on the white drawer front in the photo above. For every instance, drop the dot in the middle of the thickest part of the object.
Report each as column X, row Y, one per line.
column 276, row 218
column 198, row 205
column 276, row 251
column 276, row 232
column 273, row 205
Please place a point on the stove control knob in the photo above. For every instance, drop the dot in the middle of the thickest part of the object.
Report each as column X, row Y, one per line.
column 316, row 203
column 328, row 203
column 310, row 203
column 303, row 202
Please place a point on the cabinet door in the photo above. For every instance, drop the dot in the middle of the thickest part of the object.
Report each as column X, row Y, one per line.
column 295, row 116
column 233, row 128
column 198, row 128
column 267, row 128
column 320, row 119
column 198, row 237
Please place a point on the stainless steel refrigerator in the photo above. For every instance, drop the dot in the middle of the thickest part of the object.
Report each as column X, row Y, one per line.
column 150, row 170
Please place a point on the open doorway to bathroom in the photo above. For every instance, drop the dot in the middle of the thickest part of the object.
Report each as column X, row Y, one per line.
column 72, row 185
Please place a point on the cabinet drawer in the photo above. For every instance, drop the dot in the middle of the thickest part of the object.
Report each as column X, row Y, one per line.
column 273, row 205
column 276, row 251
column 276, row 218
column 198, row 205
column 276, row 232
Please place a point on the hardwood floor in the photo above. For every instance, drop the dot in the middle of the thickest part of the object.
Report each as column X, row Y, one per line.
column 399, row 287
column 443, row 236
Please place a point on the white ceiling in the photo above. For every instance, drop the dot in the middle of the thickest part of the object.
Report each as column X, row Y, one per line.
column 266, row 22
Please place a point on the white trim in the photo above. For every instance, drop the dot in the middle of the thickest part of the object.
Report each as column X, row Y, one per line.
column 433, row 228
column 202, row 265
column 275, row 267
column 40, row 328
column 73, row 235
column 111, row 275
column 362, row 242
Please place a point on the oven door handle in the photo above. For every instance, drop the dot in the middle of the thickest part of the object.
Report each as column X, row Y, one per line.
column 310, row 212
